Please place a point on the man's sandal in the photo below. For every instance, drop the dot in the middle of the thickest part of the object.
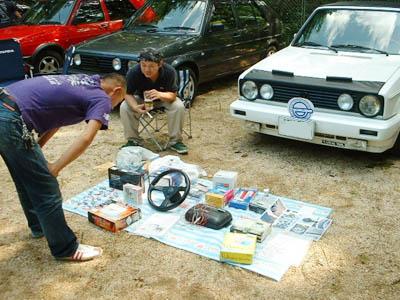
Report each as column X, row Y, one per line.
column 83, row 253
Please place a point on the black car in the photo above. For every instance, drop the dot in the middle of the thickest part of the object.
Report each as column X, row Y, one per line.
column 211, row 38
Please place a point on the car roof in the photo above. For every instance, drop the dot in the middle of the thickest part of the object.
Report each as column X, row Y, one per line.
column 383, row 4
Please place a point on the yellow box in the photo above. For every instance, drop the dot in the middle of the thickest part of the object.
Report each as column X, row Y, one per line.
column 238, row 248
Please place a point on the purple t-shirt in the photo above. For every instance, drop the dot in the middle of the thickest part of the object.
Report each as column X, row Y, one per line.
column 48, row 102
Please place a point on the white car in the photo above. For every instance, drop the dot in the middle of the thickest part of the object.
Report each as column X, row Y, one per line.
column 337, row 84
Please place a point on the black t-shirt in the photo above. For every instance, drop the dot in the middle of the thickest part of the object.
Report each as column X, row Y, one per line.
column 137, row 83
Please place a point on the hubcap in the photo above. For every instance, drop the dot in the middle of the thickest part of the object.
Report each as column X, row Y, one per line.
column 188, row 92
column 271, row 51
column 49, row 65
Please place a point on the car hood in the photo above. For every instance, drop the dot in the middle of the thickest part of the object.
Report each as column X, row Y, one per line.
column 318, row 63
column 23, row 32
column 124, row 43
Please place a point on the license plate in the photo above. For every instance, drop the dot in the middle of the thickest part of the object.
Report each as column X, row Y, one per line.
column 296, row 128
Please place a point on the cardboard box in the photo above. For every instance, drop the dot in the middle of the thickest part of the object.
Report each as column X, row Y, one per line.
column 256, row 227
column 225, row 178
column 114, row 217
column 238, row 248
column 219, row 197
column 118, row 177
column 133, row 194
column 242, row 198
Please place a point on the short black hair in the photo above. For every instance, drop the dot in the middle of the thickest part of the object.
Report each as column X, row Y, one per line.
column 150, row 54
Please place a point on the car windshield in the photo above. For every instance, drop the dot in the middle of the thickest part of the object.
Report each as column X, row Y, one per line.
column 367, row 31
column 179, row 16
column 49, row 12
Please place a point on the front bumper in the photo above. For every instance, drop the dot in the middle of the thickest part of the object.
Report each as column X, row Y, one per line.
column 331, row 129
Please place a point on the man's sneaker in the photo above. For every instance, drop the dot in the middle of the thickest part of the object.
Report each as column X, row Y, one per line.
column 131, row 143
column 180, row 148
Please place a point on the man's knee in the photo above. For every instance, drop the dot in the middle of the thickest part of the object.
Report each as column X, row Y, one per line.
column 177, row 105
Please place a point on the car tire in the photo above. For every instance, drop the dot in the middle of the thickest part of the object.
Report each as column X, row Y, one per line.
column 48, row 62
column 190, row 91
column 271, row 49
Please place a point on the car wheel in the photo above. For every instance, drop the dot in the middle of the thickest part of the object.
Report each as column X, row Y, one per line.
column 48, row 62
column 190, row 90
column 271, row 50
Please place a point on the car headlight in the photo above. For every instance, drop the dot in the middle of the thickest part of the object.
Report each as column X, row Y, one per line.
column 249, row 90
column 266, row 91
column 116, row 63
column 345, row 102
column 369, row 106
column 77, row 59
column 132, row 63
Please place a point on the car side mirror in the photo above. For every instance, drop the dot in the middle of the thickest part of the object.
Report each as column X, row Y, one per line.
column 215, row 27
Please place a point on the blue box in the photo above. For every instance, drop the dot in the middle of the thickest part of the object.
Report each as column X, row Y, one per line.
column 242, row 198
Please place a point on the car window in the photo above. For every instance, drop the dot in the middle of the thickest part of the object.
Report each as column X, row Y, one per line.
column 353, row 30
column 119, row 9
column 174, row 16
column 49, row 12
column 249, row 14
column 89, row 12
column 223, row 15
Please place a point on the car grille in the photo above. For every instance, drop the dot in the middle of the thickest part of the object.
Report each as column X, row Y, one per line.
column 100, row 65
column 322, row 98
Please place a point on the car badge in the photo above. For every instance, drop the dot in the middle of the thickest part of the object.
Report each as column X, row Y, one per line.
column 300, row 108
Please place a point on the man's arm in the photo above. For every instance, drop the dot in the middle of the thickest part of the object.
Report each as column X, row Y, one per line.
column 132, row 102
column 77, row 148
column 45, row 137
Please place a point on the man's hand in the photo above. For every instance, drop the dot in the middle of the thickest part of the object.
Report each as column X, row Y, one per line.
column 141, row 108
column 154, row 94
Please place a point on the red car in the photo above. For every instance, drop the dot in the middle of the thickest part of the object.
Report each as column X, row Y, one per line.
column 51, row 26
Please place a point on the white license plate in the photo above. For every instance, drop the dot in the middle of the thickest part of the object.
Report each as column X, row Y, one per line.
column 296, row 128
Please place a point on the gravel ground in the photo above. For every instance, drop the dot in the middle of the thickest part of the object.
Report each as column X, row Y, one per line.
column 358, row 258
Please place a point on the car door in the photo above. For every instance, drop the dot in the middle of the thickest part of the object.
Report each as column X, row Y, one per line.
column 88, row 21
column 253, row 32
column 119, row 11
column 218, row 41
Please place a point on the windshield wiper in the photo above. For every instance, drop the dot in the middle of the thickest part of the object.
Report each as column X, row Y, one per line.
column 350, row 46
column 179, row 28
column 314, row 44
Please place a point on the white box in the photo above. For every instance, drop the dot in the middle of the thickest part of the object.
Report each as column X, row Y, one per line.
column 132, row 194
column 225, row 178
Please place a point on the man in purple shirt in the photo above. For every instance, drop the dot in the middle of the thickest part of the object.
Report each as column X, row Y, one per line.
column 44, row 104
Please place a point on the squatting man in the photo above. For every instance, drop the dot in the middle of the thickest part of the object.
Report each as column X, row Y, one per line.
column 44, row 104
column 159, row 81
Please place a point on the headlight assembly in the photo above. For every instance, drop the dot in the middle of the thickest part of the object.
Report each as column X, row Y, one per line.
column 77, row 59
column 249, row 90
column 116, row 63
column 345, row 102
column 369, row 106
column 266, row 92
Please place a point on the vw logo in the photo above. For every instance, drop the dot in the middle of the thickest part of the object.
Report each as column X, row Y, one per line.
column 300, row 108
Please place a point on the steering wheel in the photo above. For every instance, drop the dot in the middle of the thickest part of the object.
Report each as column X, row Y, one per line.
column 172, row 194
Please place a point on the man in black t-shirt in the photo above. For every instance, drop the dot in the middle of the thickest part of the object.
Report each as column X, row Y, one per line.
column 157, row 81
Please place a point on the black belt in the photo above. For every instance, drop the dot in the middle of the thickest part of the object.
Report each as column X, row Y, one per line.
column 8, row 101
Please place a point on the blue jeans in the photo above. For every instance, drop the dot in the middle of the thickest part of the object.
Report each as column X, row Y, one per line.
column 37, row 188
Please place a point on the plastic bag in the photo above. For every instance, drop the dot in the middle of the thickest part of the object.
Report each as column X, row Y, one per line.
column 172, row 161
column 132, row 158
